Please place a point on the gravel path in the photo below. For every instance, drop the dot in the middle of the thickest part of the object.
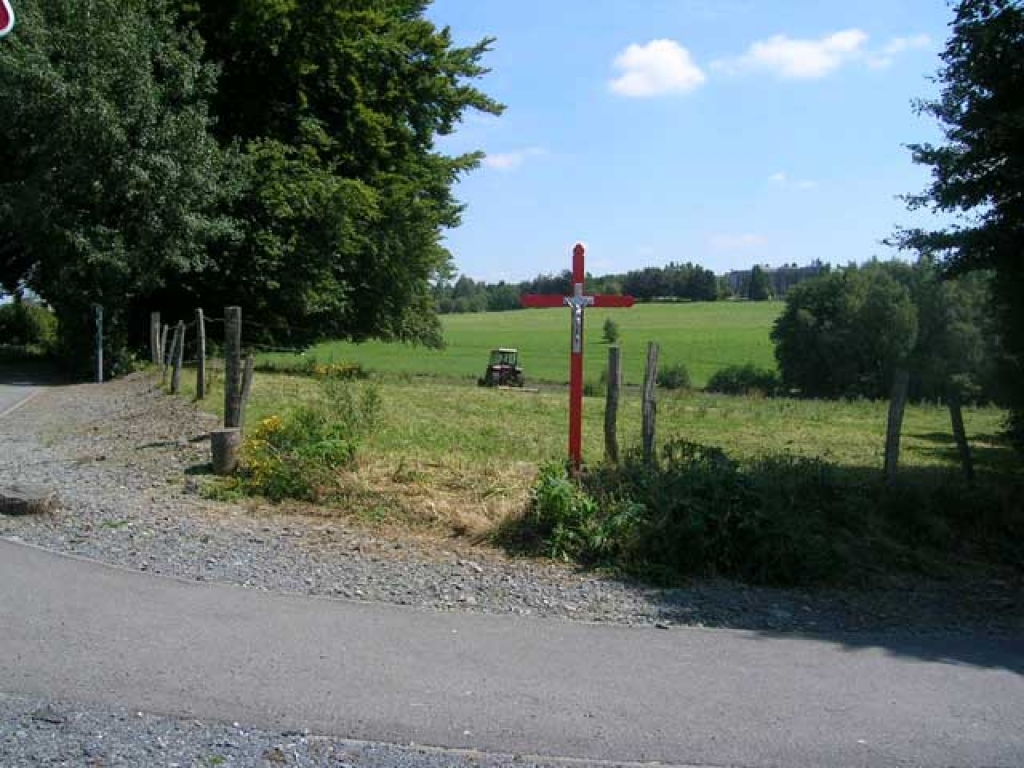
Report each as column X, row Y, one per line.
column 119, row 456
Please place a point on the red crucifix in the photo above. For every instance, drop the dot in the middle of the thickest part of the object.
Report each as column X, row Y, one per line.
column 577, row 302
column 6, row 17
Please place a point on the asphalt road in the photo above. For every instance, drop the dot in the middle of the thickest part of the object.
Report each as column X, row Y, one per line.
column 13, row 395
column 89, row 633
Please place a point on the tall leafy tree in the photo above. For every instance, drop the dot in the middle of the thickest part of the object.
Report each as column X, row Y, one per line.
column 978, row 173
column 107, row 169
column 338, row 105
column 843, row 334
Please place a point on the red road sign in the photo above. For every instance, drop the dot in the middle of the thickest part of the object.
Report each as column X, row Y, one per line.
column 6, row 17
column 578, row 301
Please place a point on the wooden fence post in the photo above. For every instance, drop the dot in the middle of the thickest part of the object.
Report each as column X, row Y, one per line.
column 165, row 354
column 611, row 406
column 179, row 355
column 247, row 377
column 232, row 366
column 956, row 417
column 200, row 355
column 897, row 405
column 154, row 337
column 650, row 406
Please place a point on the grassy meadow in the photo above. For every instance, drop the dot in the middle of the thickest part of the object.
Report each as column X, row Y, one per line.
column 449, row 455
column 705, row 336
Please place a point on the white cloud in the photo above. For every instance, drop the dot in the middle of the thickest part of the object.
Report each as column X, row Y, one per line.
column 884, row 58
column 737, row 242
column 781, row 179
column 509, row 161
column 795, row 59
column 657, row 68
column 811, row 59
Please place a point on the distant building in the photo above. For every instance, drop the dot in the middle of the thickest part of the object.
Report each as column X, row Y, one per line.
column 780, row 279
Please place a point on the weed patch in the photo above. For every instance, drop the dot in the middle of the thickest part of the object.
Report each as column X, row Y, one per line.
column 298, row 455
column 780, row 519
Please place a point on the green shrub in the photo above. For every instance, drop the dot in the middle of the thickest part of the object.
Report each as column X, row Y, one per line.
column 297, row 456
column 26, row 324
column 674, row 376
column 779, row 520
column 744, row 380
column 610, row 333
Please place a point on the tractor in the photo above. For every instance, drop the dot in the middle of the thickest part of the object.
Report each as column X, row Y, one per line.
column 502, row 370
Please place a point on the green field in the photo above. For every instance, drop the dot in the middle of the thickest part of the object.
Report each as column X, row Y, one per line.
column 704, row 336
column 461, row 457
column 450, row 454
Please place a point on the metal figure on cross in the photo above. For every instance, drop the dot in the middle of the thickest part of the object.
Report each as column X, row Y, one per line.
column 578, row 301
column 6, row 17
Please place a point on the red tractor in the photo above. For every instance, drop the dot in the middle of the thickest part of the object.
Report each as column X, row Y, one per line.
column 503, row 370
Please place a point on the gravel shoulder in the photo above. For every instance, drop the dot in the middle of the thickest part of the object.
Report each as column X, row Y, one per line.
column 37, row 733
column 123, row 458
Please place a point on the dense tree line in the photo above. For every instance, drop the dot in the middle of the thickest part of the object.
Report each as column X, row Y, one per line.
column 164, row 154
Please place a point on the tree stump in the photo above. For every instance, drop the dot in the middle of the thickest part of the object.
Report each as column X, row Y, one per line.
column 225, row 444
column 27, row 500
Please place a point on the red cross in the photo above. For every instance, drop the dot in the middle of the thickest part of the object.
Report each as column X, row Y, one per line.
column 577, row 302
column 6, row 17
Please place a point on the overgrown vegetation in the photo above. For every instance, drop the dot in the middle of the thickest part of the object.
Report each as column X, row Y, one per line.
column 778, row 519
column 299, row 455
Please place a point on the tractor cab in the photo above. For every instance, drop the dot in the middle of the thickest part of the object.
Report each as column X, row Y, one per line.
column 502, row 369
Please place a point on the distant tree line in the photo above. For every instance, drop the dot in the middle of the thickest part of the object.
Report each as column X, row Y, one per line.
column 674, row 282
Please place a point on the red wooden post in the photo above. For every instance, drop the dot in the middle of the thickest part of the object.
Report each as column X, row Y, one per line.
column 577, row 302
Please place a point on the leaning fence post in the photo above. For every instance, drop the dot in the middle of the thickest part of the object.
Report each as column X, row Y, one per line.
column 956, row 417
column 99, row 344
column 650, row 406
column 200, row 355
column 154, row 337
column 179, row 355
column 232, row 366
column 897, row 405
column 611, row 406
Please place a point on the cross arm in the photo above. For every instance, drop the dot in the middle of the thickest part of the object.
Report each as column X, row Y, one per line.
column 540, row 300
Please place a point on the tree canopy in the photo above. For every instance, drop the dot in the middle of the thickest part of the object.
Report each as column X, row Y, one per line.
column 109, row 179
column 978, row 173
column 844, row 333
column 162, row 155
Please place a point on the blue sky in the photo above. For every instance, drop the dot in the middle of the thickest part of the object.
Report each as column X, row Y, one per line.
column 724, row 132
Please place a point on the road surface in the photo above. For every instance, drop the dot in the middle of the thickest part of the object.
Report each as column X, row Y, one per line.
column 90, row 633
